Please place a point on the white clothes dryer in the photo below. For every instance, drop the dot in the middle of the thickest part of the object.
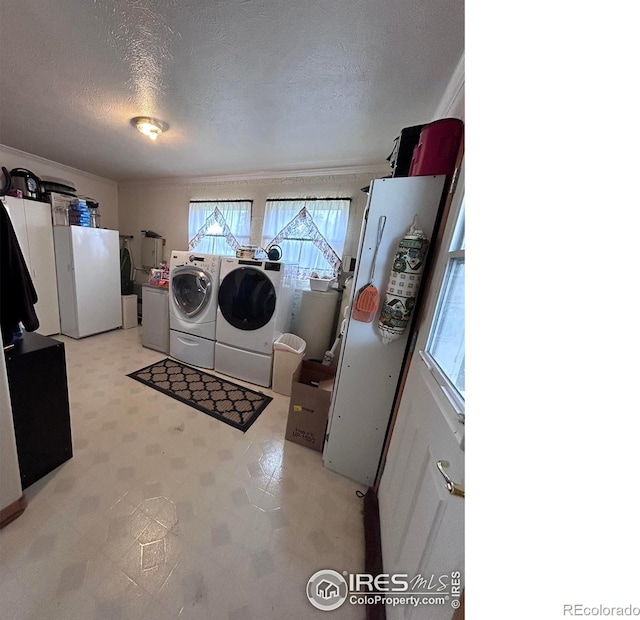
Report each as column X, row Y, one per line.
column 254, row 309
column 193, row 303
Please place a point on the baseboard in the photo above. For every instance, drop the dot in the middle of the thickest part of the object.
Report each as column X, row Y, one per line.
column 13, row 511
column 373, row 548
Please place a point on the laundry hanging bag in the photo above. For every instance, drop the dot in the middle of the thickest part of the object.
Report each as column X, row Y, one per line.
column 404, row 283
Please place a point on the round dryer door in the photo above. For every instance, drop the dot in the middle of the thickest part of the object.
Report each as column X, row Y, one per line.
column 191, row 289
column 247, row 298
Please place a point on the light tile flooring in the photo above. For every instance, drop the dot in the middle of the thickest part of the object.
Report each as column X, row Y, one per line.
column 166, row 513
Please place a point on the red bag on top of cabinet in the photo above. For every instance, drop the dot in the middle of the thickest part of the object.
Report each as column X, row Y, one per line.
column 437, row 148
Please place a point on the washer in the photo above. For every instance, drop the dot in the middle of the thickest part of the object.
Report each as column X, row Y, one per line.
column 193, row 303
column 254, row 308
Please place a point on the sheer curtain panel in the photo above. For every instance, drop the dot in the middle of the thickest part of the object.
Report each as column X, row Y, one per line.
column 219, row 227
column 310, row 232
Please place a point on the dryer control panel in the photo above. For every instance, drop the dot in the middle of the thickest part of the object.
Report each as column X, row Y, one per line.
column 206, row 262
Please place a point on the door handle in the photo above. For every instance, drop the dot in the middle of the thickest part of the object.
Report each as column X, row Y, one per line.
column 453, row 487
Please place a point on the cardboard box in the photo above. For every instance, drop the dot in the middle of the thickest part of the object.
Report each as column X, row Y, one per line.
column 309, row 406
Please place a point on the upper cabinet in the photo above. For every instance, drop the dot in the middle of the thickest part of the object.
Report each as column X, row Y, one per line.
column 32, row 222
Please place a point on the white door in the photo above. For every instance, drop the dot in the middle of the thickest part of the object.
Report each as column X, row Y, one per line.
column 43, row 265
column 15, row 209
column 421, row 521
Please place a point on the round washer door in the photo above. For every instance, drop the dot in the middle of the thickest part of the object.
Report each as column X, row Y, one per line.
column 191, row 289
column 247, row 298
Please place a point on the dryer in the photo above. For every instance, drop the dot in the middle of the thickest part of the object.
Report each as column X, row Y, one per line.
column 254, row 308
column 193, row 304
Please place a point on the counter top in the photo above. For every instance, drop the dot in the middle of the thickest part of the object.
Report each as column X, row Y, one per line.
column 164, row 286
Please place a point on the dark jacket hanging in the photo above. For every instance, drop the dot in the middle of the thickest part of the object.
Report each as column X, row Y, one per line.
column 17, row 294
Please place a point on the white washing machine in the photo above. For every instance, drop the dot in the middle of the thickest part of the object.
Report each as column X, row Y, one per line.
column 254, row 309
column 193, row 303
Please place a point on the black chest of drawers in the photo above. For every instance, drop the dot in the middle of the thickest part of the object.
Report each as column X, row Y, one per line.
column 37, row 375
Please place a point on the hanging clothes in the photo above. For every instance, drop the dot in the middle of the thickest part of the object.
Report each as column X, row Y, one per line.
column 18, row 295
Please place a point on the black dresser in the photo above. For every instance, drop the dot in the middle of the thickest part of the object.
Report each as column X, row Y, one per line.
column 37, row 374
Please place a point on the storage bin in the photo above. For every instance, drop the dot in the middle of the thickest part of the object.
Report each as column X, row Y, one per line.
column 321, row 284
column 288, row 351
column 129, row 311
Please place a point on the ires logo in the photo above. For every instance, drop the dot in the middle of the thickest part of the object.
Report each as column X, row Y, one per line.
column 327, row 589
column 400, row 582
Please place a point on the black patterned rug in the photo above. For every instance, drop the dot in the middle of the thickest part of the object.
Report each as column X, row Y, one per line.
column 221, row 399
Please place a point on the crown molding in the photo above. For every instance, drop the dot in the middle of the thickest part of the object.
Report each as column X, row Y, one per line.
column 232, row 178
column 454, row 90
column 50, row 162
column 262, row 175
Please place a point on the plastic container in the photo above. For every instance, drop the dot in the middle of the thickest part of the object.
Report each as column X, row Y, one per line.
column 155, row 275
column 129, row 311
column 321, row 284
column 61, row 215
column 288, row 351
column 79, row 213
column 94, row 218
column 247, row 251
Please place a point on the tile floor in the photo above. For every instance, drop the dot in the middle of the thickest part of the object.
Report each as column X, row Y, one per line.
column 165, row 513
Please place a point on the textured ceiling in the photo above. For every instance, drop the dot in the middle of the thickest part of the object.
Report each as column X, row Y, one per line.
column 246, row 85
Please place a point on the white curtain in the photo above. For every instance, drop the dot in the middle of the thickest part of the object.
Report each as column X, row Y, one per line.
column 236, row 215
column 331, row 218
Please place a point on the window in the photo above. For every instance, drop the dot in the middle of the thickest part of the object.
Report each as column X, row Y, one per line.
column 446, row 343
column 219, row 227
column 310, row 232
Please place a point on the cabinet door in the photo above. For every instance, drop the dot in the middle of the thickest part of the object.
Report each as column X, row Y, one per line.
column 43, row 265
column 15, row 209
column 155, row 319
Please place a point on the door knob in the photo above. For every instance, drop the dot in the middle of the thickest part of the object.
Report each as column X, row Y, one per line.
column 452, row 487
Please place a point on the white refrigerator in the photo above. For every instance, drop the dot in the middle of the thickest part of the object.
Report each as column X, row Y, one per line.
column 88, row 270
column 368, row 370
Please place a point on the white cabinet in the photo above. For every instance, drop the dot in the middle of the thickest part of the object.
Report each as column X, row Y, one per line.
column 155, row 318
column 32, row 222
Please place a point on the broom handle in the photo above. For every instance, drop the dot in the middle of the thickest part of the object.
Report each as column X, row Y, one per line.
column 381, row 223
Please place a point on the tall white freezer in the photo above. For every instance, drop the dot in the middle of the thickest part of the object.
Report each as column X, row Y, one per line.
column 88, row 269
column 368, row 371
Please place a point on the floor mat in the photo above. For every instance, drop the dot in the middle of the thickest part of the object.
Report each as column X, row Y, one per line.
column 221, row 399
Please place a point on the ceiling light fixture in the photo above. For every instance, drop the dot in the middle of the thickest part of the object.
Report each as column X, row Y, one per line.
column 150, row 127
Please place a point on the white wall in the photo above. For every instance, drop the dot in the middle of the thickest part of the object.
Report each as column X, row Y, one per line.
column 104, row 191
column 164, row 206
